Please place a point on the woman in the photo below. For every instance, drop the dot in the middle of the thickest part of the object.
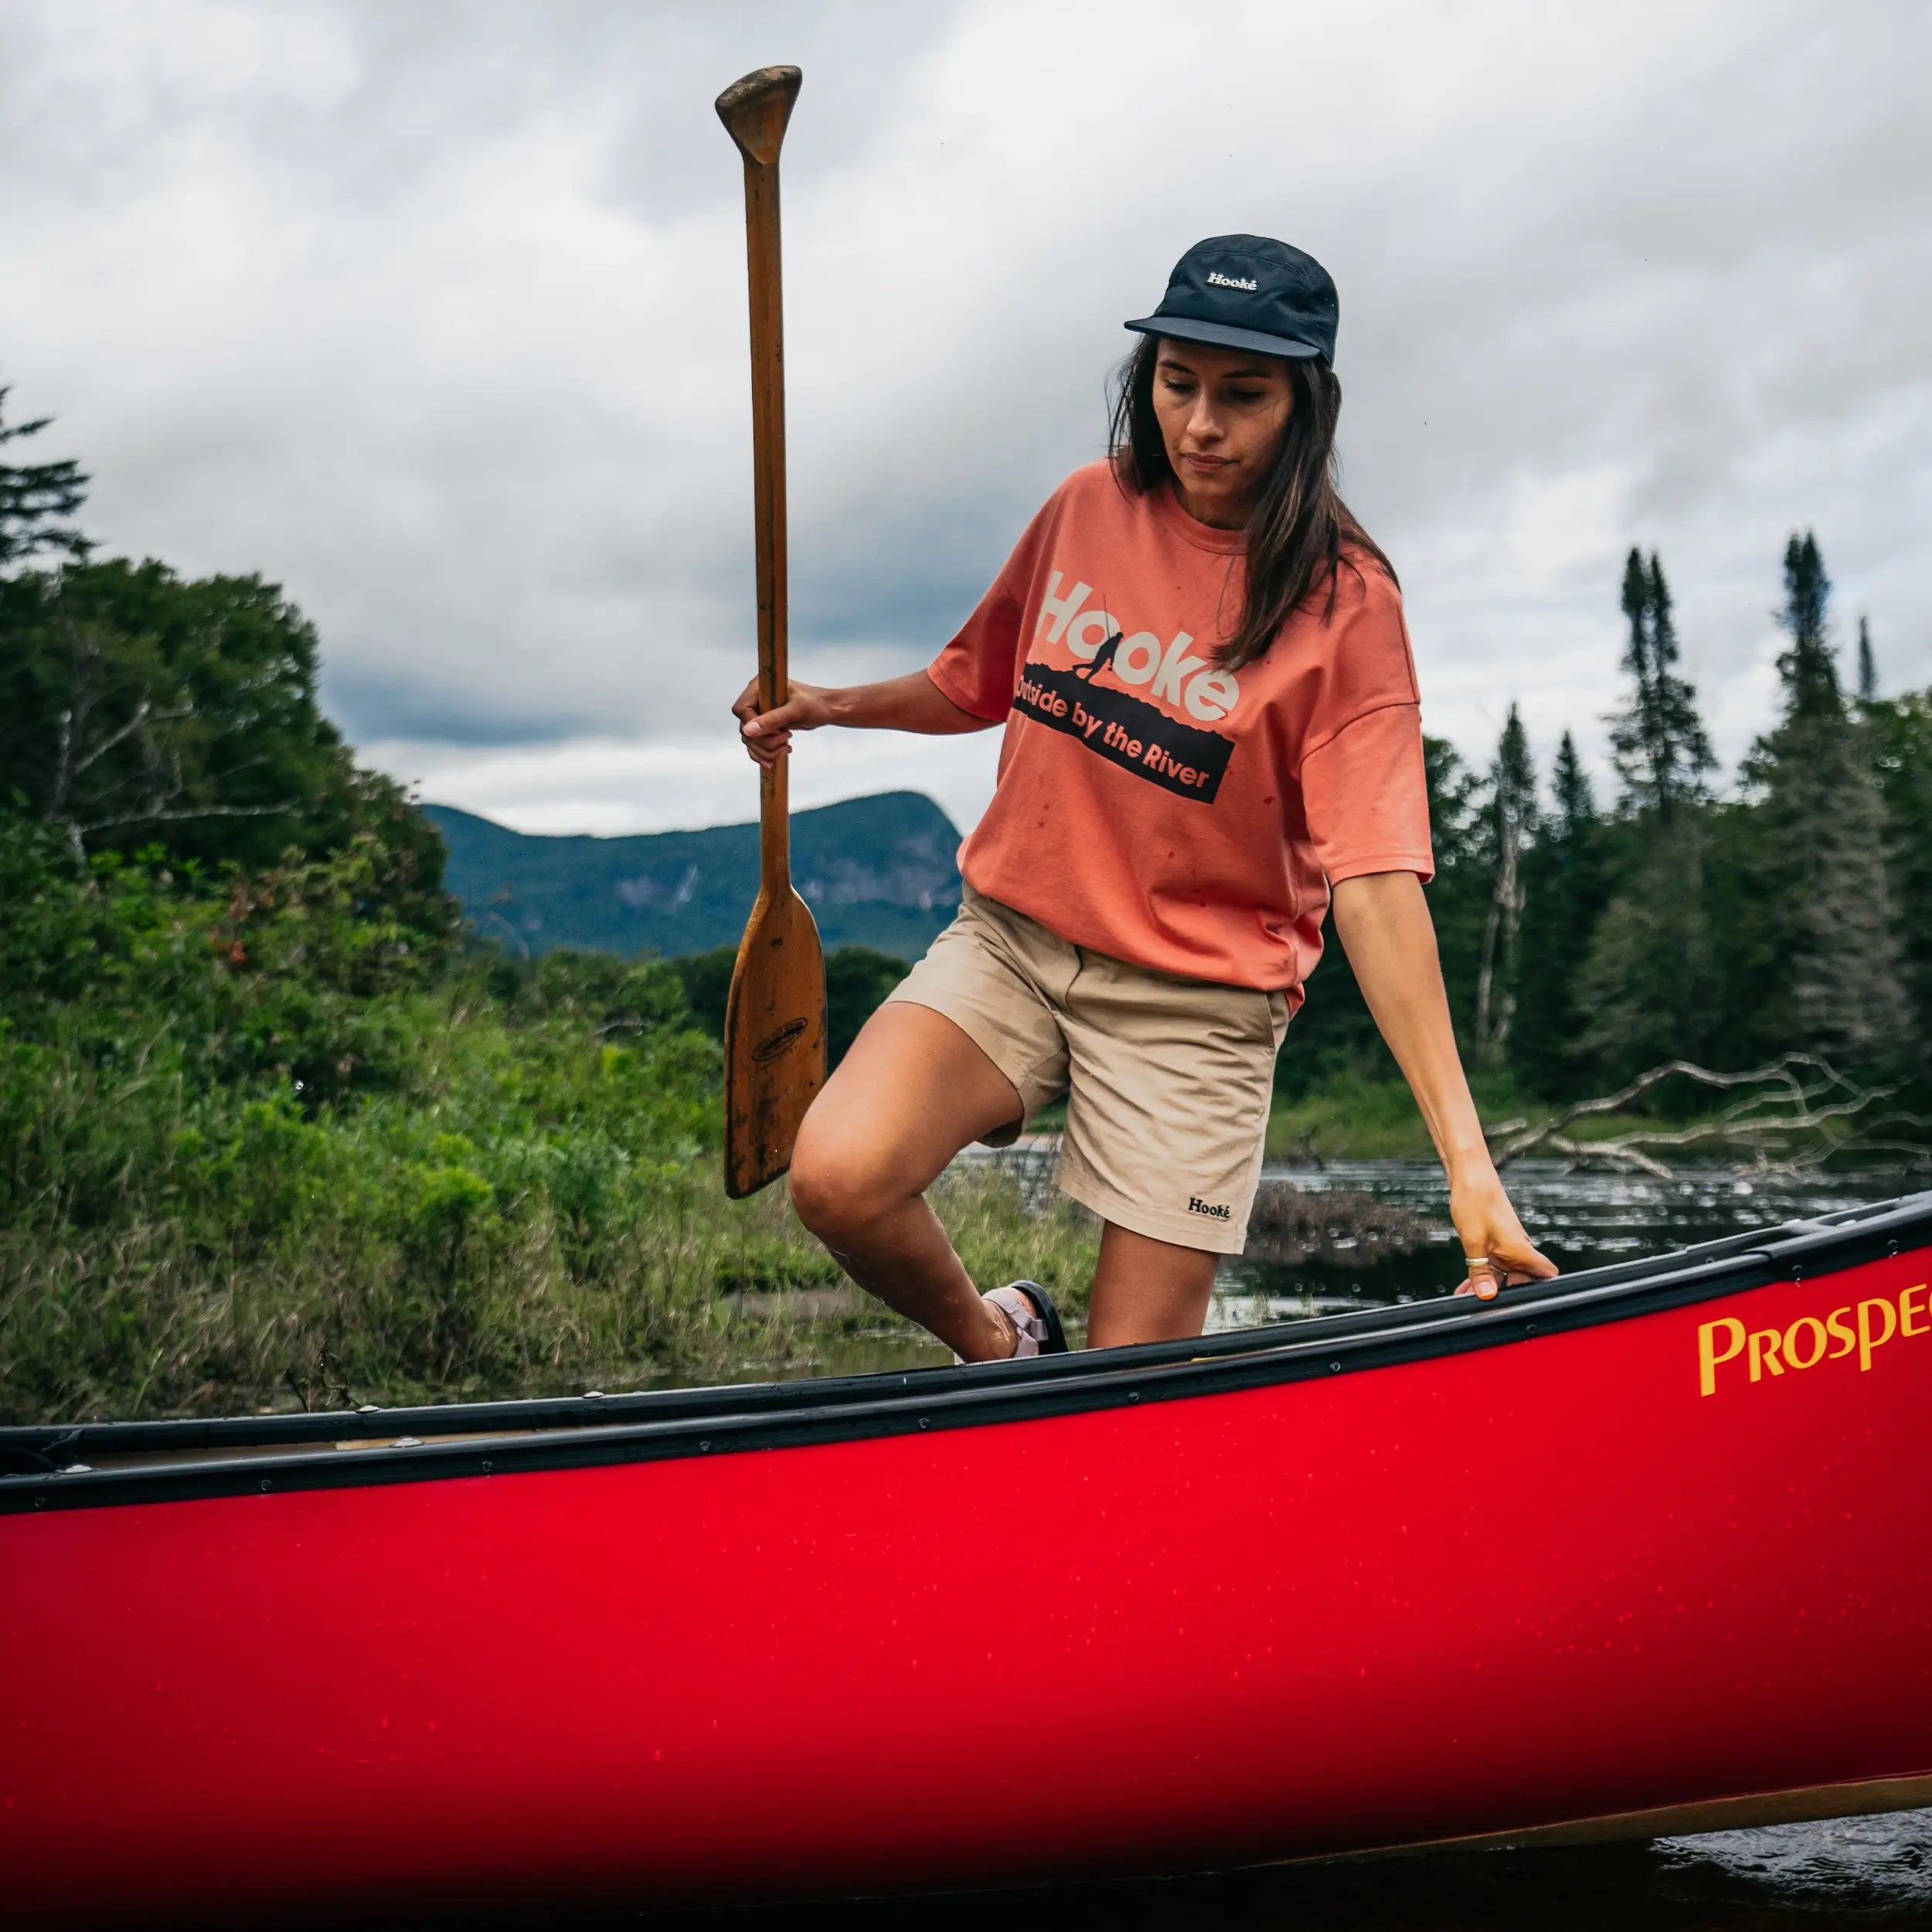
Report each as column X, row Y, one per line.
column 1211, row 727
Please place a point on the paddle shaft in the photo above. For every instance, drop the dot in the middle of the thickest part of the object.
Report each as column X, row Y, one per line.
column 757, row 118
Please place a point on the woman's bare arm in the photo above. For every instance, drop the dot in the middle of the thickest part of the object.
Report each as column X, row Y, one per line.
column 911, row 703
column 1384, row 923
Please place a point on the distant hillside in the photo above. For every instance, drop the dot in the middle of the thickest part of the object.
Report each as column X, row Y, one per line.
column 877, row 872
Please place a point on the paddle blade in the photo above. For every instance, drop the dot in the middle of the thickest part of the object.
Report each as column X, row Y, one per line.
column 774, row 1040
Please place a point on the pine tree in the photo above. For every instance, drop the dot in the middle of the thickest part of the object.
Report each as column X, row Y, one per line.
column 34, row 495
column 1820, row 862
column 1647, row 984
column 1809, row 668
column 1576, row 800
column 1565, row 881
column 1510, row 819
column 1868, row 665
column 1661, row 750
column 1901, row 736
column 1334, row 1032
column 1647, row 990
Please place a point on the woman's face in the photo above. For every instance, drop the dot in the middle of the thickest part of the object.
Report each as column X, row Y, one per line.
column 1223, row 413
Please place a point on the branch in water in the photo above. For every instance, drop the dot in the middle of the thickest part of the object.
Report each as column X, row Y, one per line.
column 1786, row 1106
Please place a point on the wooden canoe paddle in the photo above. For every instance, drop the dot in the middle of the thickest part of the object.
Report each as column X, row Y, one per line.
column 775, row 1018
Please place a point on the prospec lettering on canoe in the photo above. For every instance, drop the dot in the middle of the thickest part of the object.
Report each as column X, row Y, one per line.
column 781, row 1040
column 1859, row 1328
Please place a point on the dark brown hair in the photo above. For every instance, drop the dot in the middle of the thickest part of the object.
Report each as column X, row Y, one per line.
column 1300, row 534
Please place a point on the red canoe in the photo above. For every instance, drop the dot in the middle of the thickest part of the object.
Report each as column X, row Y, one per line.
column 1646, row 1548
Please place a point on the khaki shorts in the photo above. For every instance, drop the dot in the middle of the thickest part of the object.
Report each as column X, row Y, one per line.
column 1167, row 1080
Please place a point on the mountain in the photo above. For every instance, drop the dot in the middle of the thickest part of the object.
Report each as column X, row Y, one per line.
column 879, row 872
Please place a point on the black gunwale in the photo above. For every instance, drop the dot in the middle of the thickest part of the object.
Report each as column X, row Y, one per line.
column 656, row 1425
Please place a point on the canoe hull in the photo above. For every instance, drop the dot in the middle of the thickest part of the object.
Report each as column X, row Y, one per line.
column 1508, row 1588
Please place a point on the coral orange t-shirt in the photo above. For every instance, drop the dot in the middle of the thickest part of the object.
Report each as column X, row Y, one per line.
column 1151, row 806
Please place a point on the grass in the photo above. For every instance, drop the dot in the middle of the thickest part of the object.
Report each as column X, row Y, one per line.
column 142, row 1320
column 1357, row 1119
column 255, row 1159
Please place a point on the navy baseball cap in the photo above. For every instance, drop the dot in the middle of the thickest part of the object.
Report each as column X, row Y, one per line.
column 1245, row 291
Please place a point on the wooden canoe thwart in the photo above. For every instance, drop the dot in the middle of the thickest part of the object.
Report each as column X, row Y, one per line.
column 1647, row 1547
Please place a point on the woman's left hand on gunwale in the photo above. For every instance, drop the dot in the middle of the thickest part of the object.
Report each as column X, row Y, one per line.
column 1496, row 1249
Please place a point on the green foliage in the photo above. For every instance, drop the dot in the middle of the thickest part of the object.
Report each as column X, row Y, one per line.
column 1809, row 668
column 1818, row 926
column 1566, row 880
column 259, row 1141
column 1508, row 823
column 706, row 980
column 857, row 980
column 1900, row 743
column 1662, row 750
column 35, row 496
column 262, row 1133
column 1648, row 988
column 1333, row 1034
column 139, row 710
column 1512, row 804
column 1356, row 1117
column 1797, row 916
column 1001, row 1234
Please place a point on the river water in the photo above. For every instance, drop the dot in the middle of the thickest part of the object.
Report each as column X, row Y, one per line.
column 1579, row 1220
column 1874, row 1872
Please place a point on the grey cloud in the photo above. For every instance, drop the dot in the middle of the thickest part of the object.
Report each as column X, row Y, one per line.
column 368, row 707
column 436, row 315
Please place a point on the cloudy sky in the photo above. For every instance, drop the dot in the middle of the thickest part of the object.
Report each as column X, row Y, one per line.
column 434, row 313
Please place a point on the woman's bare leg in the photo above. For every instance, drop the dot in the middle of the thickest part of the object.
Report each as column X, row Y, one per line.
column 1146, row 1291
column 911, row 1093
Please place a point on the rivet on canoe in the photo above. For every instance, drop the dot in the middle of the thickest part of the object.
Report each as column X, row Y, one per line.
column 925, row 1422
column 264, row 1482
column 40, row 1502
column 704, row 1445
column 1133, row 1395
column 488, row 1467
column 1529, row 1328
column 1336, row 1367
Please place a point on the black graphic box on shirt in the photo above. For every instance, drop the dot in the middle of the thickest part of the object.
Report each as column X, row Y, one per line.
column 1126, row 730
column 1109, row 719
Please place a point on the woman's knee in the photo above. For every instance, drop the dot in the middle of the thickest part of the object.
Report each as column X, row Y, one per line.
column 840, row 1182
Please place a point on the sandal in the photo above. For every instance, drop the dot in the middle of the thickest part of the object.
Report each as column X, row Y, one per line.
column 1035, row 1321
